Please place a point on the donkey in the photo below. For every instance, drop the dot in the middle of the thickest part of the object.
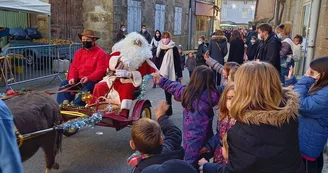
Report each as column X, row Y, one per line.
column 33, row 112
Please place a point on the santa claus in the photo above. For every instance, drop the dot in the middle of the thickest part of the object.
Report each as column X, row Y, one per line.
column 128, row 63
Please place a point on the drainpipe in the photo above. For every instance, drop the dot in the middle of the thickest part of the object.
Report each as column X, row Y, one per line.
column 189, row 26
column 276, row 17
column 315, row 11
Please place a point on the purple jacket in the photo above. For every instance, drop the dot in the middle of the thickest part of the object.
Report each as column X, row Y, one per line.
column 197, row 125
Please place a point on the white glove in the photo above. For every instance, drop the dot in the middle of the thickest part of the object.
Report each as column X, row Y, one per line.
column 123, row 74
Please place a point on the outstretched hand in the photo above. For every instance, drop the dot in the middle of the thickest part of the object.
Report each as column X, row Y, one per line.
column 157, row 77
column 206, row 55
column 290, row 73
column 161, row 109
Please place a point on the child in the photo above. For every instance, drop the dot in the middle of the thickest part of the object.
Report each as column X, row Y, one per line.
column 150, row 146
column 182, row 57
column 252, row 48
column 223, row 70
column 224, row 124
column 198, row 99
column 191, row 63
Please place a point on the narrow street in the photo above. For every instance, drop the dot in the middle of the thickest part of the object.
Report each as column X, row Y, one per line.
column 101, row 149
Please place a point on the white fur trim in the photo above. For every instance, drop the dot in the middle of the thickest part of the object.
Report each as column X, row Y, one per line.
column 152, row 65
column 113, row 62
column 136, row 80
column 126, row 104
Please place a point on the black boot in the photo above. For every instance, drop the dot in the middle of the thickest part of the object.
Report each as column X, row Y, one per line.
column 154, row 86
column 169, row 111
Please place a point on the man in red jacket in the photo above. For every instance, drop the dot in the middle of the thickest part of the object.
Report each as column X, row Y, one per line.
column 88, row 68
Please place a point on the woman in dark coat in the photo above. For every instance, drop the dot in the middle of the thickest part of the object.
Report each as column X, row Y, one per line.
column 265, row 136
column 169, row 63
column 252, row 48
column 236, row 53
column 218, row 49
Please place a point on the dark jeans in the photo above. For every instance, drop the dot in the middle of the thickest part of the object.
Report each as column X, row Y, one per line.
column 70, row 97
column 314, row 166
column 190, row 73
column 168, row 98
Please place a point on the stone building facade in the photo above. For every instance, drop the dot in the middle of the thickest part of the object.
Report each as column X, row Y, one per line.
column 298, row 12
column 69, row 17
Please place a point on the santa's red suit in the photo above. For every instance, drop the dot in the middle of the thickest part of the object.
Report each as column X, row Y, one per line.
column 123, row 89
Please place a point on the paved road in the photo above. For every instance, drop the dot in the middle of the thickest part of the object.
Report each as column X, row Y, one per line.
column 87, row 152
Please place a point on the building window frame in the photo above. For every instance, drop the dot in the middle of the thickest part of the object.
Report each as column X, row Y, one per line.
column 160, row 17
column 177, row 21
column 134, row 15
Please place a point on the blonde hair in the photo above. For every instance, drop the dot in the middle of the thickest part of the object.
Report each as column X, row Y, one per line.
column 285, row 27
column 223, row 110
column 257, row 87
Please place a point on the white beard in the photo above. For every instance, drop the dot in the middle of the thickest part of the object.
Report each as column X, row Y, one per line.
column 132, row 55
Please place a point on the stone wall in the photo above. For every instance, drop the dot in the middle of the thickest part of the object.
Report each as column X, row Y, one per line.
column 321, row 48
column 265, row 10
column 120, row 16
column 148, row 17
column 98, row 16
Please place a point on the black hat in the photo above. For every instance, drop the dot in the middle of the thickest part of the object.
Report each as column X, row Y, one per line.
column 171, row 166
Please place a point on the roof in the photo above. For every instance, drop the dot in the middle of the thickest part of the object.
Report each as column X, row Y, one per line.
column 28, row 6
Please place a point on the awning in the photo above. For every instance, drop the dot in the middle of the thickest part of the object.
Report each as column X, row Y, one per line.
column 28, row 6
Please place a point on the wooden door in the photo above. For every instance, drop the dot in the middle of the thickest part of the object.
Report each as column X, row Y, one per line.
column 66, row 19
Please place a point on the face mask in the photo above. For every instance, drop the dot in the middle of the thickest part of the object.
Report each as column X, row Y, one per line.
column 316, row 76
column 253, row 41
column 144, row 30
column 259, row 37
column 123, row 29
column 87, row 44
column 165, row 41
column 200, row 42
column 279, row 36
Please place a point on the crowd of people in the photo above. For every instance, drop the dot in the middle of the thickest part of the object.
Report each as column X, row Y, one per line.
column 267, row 120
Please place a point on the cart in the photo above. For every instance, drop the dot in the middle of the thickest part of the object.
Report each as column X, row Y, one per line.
column 141, row 109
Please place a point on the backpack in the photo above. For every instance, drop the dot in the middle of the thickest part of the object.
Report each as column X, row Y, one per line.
column 297, row 50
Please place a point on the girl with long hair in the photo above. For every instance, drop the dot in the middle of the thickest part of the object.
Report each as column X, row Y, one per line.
column 224, row 124
column 198, row 99
column 313, row 119
column 264, row 137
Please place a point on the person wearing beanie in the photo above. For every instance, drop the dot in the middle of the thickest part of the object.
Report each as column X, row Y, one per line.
column 182, row 57
column 171, row 166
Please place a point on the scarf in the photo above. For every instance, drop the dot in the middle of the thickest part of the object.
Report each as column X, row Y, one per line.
column 167, row 68
column 136, row 157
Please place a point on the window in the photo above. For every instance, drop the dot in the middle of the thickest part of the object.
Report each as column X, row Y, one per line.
column 224, row 12
column 159, row 17
column 177, row 20
column 134, row 15
column 244, row 13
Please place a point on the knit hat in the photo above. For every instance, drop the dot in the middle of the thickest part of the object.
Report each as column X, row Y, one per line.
column 180, row 47
column 170, row 166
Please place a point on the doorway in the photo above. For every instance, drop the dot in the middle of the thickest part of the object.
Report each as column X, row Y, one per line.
column 66, row 19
